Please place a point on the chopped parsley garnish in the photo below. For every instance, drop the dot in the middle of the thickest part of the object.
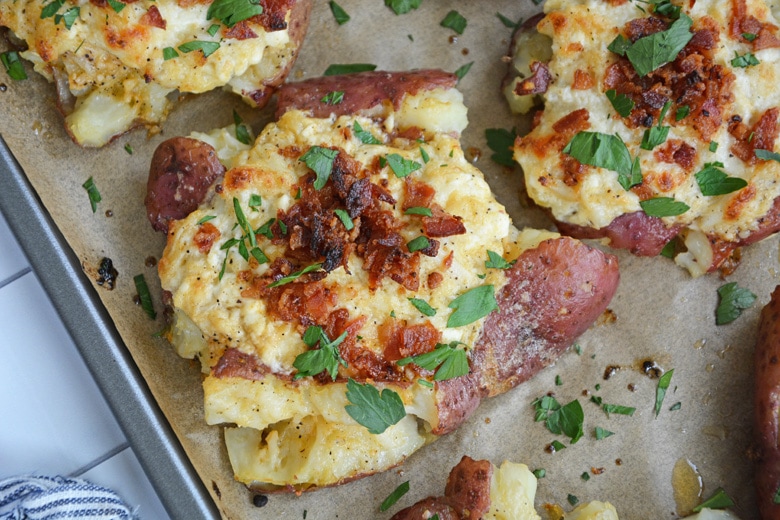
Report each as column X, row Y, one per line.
column 682, row 112
column 714, row 181
column 92, row 191
column 13, row 65
column 401, row 167
column 660, row 391
column 297, row 274
column 663, row 207
column 567, row 420
column 208, row 48
column 669, row 249
column 585, row 476
column 351, row 68
column 666, row 8
column 339, row 13
column 69, row 17
column 213, row 29
column 248, row 234
column 651, row 52
column 767, row 155
column 144, row 297
column 51, row 9
column 539, row 472
column 619, row 45
column 463, row 70
column 557, row 446
column 230, row 12
column 372, row 409
column 718, row 500
column 746, row 60
column 393, row 497
column 402, row 6
column 451, row 361
column 344, row 218
column 424, row 155
column 733, row 300
column 501, row 142
column 116, row 5
column 206, row 219
column 169, row 53
column 455, row 21
column 327, row 357
column 365, row 136
column 426, row 384
column 713, row 146
column 620, row 102
column 418, row 244
column 255, row 201
column 600, row 433
column 333, row 98
column 472, row 305
column 265, row 229
column 676, row 406
column 572, row 499
column 129, row 149
column 496, row 261
column 608, row 152
column 242, row 132
column 320, row 161
column 558, row 380
column 422, row 306
column 656, row 135
column 419, row 210
column 618, row 409
column 749, row 36
column 509, row 24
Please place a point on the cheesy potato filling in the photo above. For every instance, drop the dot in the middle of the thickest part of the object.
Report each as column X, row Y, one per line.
column 116, row 66
column 286, row 431
column 714, row 120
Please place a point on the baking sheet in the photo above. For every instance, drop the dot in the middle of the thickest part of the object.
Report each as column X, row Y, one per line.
column 660, row 313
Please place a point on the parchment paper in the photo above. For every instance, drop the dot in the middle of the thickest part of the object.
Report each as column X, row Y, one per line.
column 661, row 313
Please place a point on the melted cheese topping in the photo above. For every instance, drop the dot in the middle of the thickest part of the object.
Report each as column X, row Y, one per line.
column 113, row 63
column 580, row 31
column 298, row 433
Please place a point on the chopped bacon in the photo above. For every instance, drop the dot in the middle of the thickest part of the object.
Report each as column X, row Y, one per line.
column 235, row 363
column 241, row 31
column 153, row 18
column 435, row 279
column 677, row 152
column 761, row 137
column 417, row 194
column 572, row 122
column 743, row 23
column 206, row 236
column 583, row 80
column 442, row 224
column 401, row 340
column 537, row 83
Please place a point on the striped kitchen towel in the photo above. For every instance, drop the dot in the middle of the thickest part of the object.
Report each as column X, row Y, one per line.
column 51, row 498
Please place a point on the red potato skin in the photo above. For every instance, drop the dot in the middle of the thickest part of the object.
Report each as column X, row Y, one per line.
column 767, row 408
column 363, row 91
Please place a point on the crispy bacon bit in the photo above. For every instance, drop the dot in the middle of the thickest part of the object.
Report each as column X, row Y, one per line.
column 153, row 18
column 537, row 83
column 761, row 137
column 573, row 170
column 582, row 80
column 241, row 31
column 572, row 123
column 641, row 27
column 237, row 178
column 274, row 14
column 401, row 340
column 206, row 236
column 678, row 152
column 442, row 224
column 417, row 194
column 434, row 280
column 235, row 363
column 741, row 22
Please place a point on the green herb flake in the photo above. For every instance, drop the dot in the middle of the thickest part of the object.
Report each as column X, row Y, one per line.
column 144, row 297
column 733, row 300
column 601, row 433
column 206, row 219
column 402, row 6
column 656, row 135
column 339, row 13
column 169, row 53
column 255, row 201
column 682, row 112
column 297, row 274
column 620, row 102
column 557, row 446
column 749, row 36
column 619, row 45
column 676, row 406
column 116, row 5
column 573, row 500
column 618, row 409
column 448, row 361
column 344, row 218
column 668, row 9
column 418, row 210
column 585, row 476
column 68, row 18
column 393, row 497
column 213, row 29
column 455, row 21
column 713, row 181
column 401, row 167
column 660, row 391
column 746, row 60
column 418, row 244
column 663, row 207
column 129, row 149
column 776, row 497
column 713, row 146
column 501, row 142
column 242, row 132
column 424, row 155
column 567, row 420
column 327, row 357
column 651, row 52
column 669, row 249
column 426, row 384
column 463, row 70
column 509, row 24
column 320, row 161
column 51, row 9
column 372, row 409
column 718, row 500
column 422, row 306
column 767, row 155
column 539, row 473
column 93, row 193
column 606, row 151
column 558, row 381
column 207, row 48
column 333, row 98
column 348, row 68
column 365, row 136
column 230, row 12
column 13, row 65
column 472, row 305
column 578, row 349
column 496, row 261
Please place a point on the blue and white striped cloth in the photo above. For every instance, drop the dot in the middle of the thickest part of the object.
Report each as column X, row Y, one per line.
column 51, row 498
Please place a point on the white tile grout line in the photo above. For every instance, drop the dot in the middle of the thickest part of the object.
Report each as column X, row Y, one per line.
column 15, row 277
column 100, row 460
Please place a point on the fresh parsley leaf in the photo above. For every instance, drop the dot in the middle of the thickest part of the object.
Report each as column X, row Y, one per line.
column 144, row 297
column 651, row 52
column 244, row 225
column 372, row 409
column 666, row 8
column 463, row 70
column 13, row 65
column 422, row 306
column 333, row 98
column 455, row 21
column 749, row 36
column 606, row 151
column 618, row 409
column 258, row 255
column 585, row 476
column 344, row 218
column 339, row 13
column 419, row 210
column 557, row 446
column 572, row 499
column 393, row 497
column 297, row 274
column 501, row 142
column 619, row 45
column 496, row 261
column 601, row 433
column 418, row 244
column 206, row 219
column 230, row 12
column 327, row 357
column 129, row 149
column 509, row 24
column 401, row 167
column 424, row 155
column 208, row 48
column 767, row 155
column 718, row 500
column 92, row 192
column 242, row 132
column 320, row 161
column 51, row 9
column 255, row 201
column 663, row 207
column 713, row 146
column 682, row 112
column 620, row 102
column 116, row 5
column 169, row 53
column 68, row 18
column 351, row 68
column 426, row 384
column 656, row 135
column 472, row 305
column 265, row 229
column 676, row 406
column 451, row 361
column 539, row 473
column 213, row 29
column 733, row 300
column 402, row 6
column 714, row 181
column 365, row 136
column 746, row 60
column 669, row 249
column 567, row 420
column 660, row 391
